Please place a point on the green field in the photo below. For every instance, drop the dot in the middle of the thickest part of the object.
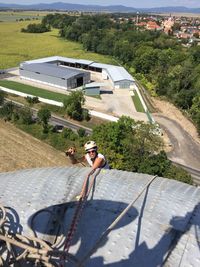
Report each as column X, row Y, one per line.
column 27, row 89
column 16, row 15
column 17, row 47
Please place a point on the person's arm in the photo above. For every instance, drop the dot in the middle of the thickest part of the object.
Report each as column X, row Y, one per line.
column 71, row 154
column 98, row 163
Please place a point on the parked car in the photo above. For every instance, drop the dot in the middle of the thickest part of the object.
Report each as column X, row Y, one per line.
column 2, row 72
column 58, row 128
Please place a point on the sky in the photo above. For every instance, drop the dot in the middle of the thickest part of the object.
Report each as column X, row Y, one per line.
column 131, row 3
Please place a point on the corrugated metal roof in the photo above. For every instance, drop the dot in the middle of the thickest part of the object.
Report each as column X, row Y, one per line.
column 52, row 70
column 163, row 226
column 115, row 72
column 42, row 60
column 57, row 58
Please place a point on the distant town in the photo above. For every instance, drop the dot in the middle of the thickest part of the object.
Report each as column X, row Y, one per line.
column 185, row 28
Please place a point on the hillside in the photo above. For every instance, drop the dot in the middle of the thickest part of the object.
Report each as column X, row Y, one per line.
column 21, row 151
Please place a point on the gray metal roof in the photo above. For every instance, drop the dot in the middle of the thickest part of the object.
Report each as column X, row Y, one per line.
column 116, row 73
column 52, row 70
column 94, row 84
column 163, row 226
column 63, row 59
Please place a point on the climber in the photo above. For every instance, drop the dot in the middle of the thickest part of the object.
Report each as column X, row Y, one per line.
column 92, row 157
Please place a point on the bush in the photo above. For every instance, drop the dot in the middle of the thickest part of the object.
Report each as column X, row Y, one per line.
column 25, row 115
column 7, row 110
column 179, row 174
column 36, row 28
column 2, row 96
column 32, row 100
column 69, row 134
column 86, row 115
column 81, row 132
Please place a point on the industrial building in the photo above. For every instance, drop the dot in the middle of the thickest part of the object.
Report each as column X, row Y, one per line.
column 54, row 66
column 92, row 89
column 55, row 75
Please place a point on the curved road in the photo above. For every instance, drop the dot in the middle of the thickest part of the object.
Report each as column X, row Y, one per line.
column 186, row 151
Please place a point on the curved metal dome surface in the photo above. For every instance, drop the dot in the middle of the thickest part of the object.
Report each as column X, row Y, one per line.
column 161, row 229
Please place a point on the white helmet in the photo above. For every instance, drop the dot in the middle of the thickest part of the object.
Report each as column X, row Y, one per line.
column 89, row 145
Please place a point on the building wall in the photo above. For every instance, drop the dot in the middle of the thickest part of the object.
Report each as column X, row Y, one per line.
column 44, row 78
column 105, row 75
column 124, row 84
column 92, row 91
column 55, row 81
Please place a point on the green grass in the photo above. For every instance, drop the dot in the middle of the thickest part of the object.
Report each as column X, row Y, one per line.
column 13, row 16
column 17, row 47
column 27, row 89
column 137, row 102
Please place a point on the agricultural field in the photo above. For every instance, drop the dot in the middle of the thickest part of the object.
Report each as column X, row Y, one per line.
column 21, row 15
column 17, row 47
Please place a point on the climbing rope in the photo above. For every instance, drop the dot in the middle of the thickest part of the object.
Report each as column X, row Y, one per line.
column 86, row 188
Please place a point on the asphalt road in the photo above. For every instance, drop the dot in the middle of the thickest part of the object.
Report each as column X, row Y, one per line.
column 186, row 151
column 57, row 120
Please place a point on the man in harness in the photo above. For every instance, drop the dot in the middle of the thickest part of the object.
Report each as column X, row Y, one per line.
column 92, row 157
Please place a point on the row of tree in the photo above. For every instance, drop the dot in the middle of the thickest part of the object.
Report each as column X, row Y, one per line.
column 160, row 61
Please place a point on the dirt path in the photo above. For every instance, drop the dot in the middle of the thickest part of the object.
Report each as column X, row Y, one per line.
column 170, row 111
column 18, row 150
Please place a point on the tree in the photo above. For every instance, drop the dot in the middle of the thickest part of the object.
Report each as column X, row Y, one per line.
column 176, row 173
column 126, row 142
column 36, row 28
column 7, row 110
column 25, row 115
column 86, row 115
column 81, row 132
column 195, row 111
column 44, row 115
column 69, row 134
column 2, row 96
column 155, row 164
column 73, row 105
